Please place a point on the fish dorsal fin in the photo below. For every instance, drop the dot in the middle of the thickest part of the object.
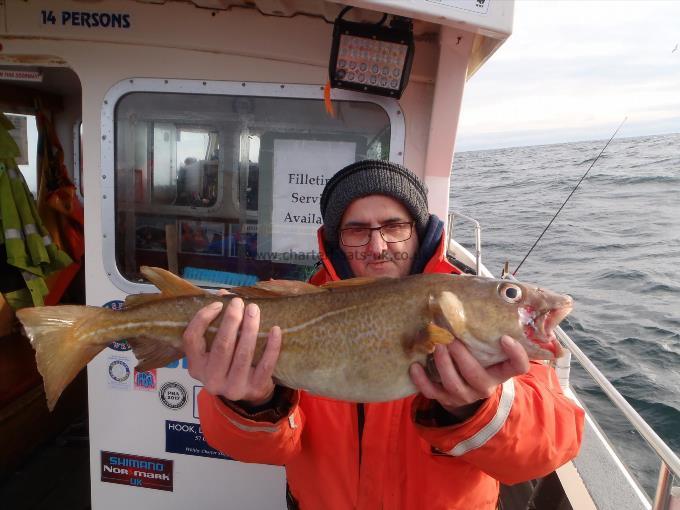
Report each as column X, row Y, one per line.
column 276, row 288
column 354, row 282
column 289, row 287
column 140, row 299
column 253, row 292
column 152, row 353
column 280, row 288
column 170, row 284
column 431, row 335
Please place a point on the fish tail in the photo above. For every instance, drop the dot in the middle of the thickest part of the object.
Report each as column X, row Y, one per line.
column 60, row 350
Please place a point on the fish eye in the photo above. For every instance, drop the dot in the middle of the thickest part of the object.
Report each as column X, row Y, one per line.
column 510, row 292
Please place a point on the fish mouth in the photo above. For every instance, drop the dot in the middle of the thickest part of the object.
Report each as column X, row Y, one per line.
column 539, row 328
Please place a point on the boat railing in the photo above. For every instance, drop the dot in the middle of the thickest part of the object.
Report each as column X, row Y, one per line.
column 667, row 496
column 478, row 236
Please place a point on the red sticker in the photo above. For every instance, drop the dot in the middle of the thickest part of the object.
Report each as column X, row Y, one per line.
column 146, row 381
column 137, row 471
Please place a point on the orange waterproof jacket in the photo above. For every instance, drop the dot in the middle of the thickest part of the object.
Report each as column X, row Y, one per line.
column 400, row 460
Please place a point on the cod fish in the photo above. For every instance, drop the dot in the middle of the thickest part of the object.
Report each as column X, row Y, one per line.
column 351, row 340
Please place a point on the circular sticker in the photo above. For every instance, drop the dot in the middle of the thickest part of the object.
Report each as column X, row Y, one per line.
column 173, row 395
column 118, row 345
column 119, row 370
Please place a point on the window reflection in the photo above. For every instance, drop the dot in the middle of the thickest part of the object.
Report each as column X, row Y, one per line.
column 226, row 188
column 196, row 183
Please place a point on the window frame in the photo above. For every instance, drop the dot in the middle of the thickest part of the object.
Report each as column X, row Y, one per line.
column 78, row 158
column 231, row 88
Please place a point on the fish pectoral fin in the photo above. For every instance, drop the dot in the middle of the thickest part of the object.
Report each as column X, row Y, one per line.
column 354, row 282
column 431, row 335
column 447, row 312
column 277, row 288
column 169, row 283
column 152, row 353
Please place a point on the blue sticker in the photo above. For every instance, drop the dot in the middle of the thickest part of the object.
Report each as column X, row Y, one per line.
column 116, row 304
column 187, row 439
column 118, row 345
column 176, row 364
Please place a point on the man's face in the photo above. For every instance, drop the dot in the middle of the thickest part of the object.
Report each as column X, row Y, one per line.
column 378, row 257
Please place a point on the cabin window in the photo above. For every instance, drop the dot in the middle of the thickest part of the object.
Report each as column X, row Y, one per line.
column 224, row 188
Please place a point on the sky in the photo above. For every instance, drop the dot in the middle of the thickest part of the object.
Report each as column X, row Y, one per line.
column 573, row 70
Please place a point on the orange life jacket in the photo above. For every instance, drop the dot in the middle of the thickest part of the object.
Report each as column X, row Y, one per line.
column 525, row 430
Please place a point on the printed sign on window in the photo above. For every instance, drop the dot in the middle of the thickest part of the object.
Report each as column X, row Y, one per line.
column 301, row 170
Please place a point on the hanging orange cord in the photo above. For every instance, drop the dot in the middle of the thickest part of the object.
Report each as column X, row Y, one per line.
column 327, row 99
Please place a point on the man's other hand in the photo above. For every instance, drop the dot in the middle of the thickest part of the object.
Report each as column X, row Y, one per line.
column 464, row 382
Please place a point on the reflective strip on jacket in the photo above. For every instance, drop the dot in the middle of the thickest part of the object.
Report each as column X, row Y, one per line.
column 525, row 430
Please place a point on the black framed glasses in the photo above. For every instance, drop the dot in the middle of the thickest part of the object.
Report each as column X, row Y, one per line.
column 390, row 232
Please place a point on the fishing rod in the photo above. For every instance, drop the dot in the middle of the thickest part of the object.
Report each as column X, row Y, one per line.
column 570, row 194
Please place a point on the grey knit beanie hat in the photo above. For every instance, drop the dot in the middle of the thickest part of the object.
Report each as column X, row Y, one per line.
column 372, row 177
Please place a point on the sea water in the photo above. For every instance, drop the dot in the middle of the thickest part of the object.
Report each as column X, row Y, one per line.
column 615, row 248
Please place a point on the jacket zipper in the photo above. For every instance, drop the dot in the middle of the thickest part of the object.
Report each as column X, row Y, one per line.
column 361, row 418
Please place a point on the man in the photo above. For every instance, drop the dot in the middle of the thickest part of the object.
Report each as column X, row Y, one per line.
column 447, row 447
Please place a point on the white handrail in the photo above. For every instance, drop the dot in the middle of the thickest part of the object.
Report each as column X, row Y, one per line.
column 478, row 236
column 666, row 497
column 657, row 444
column 669, row 460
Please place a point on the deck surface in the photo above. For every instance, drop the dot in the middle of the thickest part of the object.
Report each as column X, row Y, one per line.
column 56, row 476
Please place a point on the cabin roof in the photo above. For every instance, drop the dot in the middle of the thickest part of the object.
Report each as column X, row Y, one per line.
column 490, row 22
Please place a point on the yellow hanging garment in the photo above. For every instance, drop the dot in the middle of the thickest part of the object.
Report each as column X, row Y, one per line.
column 28, row 249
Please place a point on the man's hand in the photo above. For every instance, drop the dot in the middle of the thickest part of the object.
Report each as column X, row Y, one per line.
column 227, row 369
column 463, row 380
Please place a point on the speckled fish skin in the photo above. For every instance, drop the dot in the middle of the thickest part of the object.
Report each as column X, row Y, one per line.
column 352, row 343
column 357, row 343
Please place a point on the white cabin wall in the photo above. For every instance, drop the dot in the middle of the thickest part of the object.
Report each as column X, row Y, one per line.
column 178, row 40
column 417, row 120
column 454, row 55
column 97, row 78
column 175, row 40
column 292, row 50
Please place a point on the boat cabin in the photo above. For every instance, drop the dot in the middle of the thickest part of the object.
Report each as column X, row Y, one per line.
column 198, row 136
